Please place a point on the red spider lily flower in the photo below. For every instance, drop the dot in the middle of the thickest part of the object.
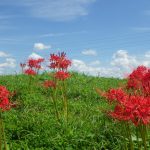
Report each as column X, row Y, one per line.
column 3, row 92
column 54, row 57
column 132, row 103
column 61, row 75
column 30, row 72
column 139, row 81
column 64, row 64
column 32, row 63
column 35, row 63
column 136, row 77
column 115, row 95
column 49, row 84
column 120, row 113
column 22, row 65
column 132, row 108
column 59, row 61
column 135, row 109
column 146, row 83
column 40, row 60
column 4, row 101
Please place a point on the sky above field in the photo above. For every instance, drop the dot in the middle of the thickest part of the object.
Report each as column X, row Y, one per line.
column 101, row 37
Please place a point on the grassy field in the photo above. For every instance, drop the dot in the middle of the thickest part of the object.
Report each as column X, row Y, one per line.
column 32, row 124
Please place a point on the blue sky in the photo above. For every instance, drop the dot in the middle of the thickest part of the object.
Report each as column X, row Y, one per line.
column 102, row 37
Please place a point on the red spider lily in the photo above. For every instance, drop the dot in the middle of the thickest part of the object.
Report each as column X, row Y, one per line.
column 61, row 75
column 59, row 61
column 30, row 72
column 4, row 101
column 139, row 80
column 133, row 106
column 49, row 84
column 116, row 95
column 40, row 60
column 35, row 63
column 54, row 57
column 22, row 65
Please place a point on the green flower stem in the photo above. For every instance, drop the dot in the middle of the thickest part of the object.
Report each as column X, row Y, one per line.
column 128, row 131
column 65, row 102
column 30, row 82
column 137, row 138
column 2, row 136
column 143, row 132
column 1, row 133
column 55, row 105
column 125, row 129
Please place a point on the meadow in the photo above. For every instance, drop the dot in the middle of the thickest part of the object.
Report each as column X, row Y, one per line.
column 32, row 124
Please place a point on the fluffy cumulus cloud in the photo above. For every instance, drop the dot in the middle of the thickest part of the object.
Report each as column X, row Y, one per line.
column 127, row 62
column 3, row 54
column 122, row 60
column 7, row 64
column 96, row 62
column 89, row 52
column 83, row 67
column 147, row 54
column 34, row 56
column 121, row 64
column 41, row 46
column 55, row 10
column 146, row 60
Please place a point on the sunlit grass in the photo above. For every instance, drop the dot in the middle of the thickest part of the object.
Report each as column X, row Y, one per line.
column 33, row 125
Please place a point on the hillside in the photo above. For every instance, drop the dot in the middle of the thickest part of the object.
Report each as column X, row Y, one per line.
column 32, row 124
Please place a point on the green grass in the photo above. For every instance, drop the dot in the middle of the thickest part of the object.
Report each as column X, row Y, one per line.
column 32, row 124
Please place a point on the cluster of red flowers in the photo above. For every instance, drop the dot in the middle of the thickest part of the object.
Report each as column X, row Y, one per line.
column 61, row 75
column 49, row 83
column 132, row 103
column 139, row 81
column 33, row 66
column 59, row 63
column 4, row 99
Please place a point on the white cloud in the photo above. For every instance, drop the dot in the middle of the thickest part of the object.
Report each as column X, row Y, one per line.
column 147, row 54
column 34, row 56
column 121, row 64
column 96, row 62
column 146, row 59
column 56, row 10
column 3, row 54
column 9, row 63
column 41, row 46
column 122, row 60
column 89, row 52
column 127, row 63
column 82, row 67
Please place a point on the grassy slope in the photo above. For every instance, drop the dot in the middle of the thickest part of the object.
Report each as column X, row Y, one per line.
column 32, row 124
